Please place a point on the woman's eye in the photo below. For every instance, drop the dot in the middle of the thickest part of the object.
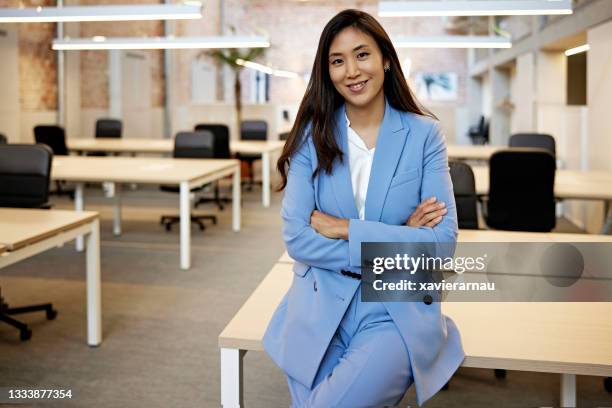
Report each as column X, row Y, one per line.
column 336, row 61
column 362, row 54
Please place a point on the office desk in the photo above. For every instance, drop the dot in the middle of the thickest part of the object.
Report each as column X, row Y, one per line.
column 26, row 232
column 564, row 338
column 471, row 152
column 185, row 173
column 569, row 184
column 157, row 146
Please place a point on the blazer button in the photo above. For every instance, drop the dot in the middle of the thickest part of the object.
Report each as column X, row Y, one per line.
column 427, row 299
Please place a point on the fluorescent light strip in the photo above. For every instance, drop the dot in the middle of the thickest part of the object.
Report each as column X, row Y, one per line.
column 159, row 43
column 100, row 13
column 473, row 8
column 457, row 41
column 577, row 50
column 266, row 69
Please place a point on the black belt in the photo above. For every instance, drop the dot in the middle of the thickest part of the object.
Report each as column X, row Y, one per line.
column 351, row 274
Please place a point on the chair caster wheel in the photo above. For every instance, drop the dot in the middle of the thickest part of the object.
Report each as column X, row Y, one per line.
column 25, row 335
column 500, row 374
column 51, row 314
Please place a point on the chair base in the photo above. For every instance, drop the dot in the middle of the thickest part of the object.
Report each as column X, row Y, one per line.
column 169, row 220
column 217, row 199
column 24, row 331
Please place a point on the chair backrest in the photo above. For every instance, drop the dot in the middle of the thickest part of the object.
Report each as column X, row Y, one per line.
column 464, row 188
column 24, row 175
column 108, row 128
column 53, row 136
column 521, row 190
column 3, row 139
column 194, row 145
column 254, row 130
column 221, row 139
column 538, row 140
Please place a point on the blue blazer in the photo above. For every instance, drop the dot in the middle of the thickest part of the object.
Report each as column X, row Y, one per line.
column 410, row 165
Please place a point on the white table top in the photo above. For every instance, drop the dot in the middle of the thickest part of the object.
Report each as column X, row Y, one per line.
column 471, row 152
column 137, row 169
column 123, row 145
column 20, row 227
column 586, row 185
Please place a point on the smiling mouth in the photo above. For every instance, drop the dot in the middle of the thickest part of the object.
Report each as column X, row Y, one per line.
column 358, row 86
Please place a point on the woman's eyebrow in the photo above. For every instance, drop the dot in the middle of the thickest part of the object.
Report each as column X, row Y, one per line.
column 357, row 48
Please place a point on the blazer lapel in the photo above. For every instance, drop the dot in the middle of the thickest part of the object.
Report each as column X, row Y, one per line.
column 389, row 147
column 341, row 175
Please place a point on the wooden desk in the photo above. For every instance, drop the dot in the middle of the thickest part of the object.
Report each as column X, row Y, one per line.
column 569, row 184
column 565, row 338
column 471, row 152
column 185, row 173
column 157, row 146
column 26, row 232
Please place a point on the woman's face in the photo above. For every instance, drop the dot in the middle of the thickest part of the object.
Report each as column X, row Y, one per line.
column 356, row 67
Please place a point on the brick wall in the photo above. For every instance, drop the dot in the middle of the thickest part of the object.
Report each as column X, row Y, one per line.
column 294, row 29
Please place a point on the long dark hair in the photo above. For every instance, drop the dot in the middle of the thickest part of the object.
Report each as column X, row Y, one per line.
column 321, row 99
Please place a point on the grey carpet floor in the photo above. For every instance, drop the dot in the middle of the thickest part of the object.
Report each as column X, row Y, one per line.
column 161, row 324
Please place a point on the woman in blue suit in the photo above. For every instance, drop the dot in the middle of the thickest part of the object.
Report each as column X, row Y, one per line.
column 363, row 163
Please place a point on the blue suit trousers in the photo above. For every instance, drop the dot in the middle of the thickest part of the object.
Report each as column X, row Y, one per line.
column 365, row 365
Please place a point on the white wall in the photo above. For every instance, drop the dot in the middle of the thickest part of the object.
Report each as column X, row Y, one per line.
column 599, row 89
column 522, row 94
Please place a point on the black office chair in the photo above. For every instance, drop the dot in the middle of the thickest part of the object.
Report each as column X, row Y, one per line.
column 109, row 128
column 24, row 183
column 521, row 190
column 537, row 140
column 190, row 145
column 3, row 139
column 252, row 130
column 54, row 137
column 464, row 189
column 479, row 134
column 221, row 150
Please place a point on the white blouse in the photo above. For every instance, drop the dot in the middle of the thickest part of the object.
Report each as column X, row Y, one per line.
column 360, row 164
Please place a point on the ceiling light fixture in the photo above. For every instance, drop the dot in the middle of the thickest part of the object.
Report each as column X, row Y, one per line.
column 473, row 8
column 159, row 43
column 454, row 41
column 101, row 13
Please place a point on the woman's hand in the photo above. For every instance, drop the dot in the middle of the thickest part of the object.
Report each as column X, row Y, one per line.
column 329, row 226
column 427, row 214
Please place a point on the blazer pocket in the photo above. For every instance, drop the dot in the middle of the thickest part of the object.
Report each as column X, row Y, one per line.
column 300, row 269
column 404, row 177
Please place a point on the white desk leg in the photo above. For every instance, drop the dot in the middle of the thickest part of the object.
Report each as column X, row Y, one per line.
column 117, row 211
column 265, row 179
column 568, row 390
column 79, row 206
column 236, row 200
column 185, row 215
column 231, row 378
column 94, row 308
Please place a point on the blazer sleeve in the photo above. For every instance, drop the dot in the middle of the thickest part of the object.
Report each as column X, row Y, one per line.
column 303, row 243
column 437, row 183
